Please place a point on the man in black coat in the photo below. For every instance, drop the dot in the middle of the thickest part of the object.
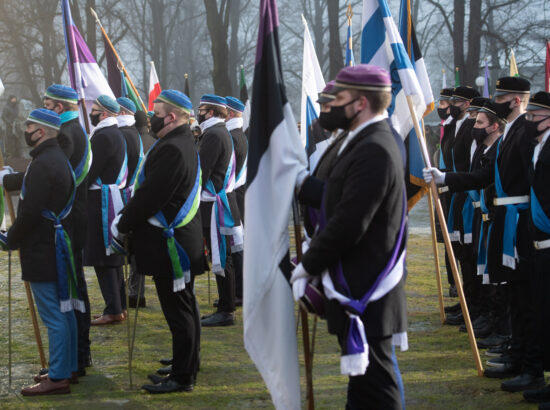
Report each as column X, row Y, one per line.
column 134, row 149
column 46, row 196
column 537, row 125
column 234, row 124
column 218, row 178
column 107, row 176
column 362, row 207
column 74, row 142
column 170, row 182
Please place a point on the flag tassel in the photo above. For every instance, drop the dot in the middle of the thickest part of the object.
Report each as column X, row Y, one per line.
column 118, row 58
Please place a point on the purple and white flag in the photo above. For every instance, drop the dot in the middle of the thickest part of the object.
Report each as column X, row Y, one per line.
column 84, row 73
column 276, row 155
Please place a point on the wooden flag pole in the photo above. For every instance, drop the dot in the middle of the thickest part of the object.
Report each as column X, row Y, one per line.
column 30, row 300
column 118, row 58
column 448, row 245
column 442, row 315
column 310, row 403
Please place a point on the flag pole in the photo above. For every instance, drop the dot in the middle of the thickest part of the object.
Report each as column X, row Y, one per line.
column 310, row 404
column 118, row 58
column 30, row 300
column 448, row 245
column 442, row 315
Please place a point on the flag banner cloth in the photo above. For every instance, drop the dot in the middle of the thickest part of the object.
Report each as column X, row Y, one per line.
column 381, row 45
column 127, row 91
column 350, row 59
column 1, row 87
column 84, row 73
column 276, row 156
column 486, row 81
column 154, row 87
column 457, row 77
column 546, row 72
column 313, row 137
column 243, row 94
column 416, row 186
column 513, row 65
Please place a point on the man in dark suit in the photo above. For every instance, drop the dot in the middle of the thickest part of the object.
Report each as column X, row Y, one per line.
column 106, row 178
column 163, row 220
column 362, row 221
column 38, row 232
column 218, row 178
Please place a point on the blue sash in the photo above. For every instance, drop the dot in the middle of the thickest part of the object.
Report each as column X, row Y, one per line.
column 128, row 191
column 540, row 219
column 111, row 201
column 482, row 246
column 81, row 170
column 510, row 221
column 453, row 234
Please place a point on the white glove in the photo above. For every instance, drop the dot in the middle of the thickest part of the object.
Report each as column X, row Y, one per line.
column 114, row 228
column 302, row 175
column 435, row 174
column 5, row 171
column 299, row 280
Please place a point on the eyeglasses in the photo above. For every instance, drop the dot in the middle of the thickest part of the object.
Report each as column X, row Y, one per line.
column 95, row 111
column 531, row 117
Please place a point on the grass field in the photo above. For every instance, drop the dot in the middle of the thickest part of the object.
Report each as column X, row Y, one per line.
column 438, row 370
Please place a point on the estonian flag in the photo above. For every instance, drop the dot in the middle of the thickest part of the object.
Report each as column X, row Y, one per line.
column 275, row 157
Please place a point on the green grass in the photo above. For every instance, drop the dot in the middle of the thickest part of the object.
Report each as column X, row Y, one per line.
column 438, row 370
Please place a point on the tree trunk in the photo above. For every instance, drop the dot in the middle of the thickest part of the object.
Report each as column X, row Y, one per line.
column 233, row 66
column 218, row 29
column 471, row 70
column 91, row 33
column 458, row 36
column 336, row 61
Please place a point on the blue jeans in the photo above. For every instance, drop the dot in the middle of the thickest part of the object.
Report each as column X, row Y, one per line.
column 62, row 333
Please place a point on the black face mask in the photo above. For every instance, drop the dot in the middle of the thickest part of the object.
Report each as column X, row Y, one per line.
column 336, row 117
column 456, row 112
column 531, row 128
column 324, row 121
column 479, row 134
column 94, row 118
column 442, row 112
column 504, row 108
column 28, row 138
column 157, row 123
column 201, row 118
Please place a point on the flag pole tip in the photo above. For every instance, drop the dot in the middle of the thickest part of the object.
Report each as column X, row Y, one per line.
column 242, row 66
column 185, row 76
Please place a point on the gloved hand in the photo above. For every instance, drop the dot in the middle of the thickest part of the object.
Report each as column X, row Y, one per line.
column 114, row 229
column 435, row 174
column 5, row 171
column 299, row 280
column 302, row 175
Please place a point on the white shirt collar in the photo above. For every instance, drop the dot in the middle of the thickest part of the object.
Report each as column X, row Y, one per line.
column 107, row 122
column 538, row 147
column 459, row 123
column 360, row 128
column 126, row 120
column 234, row 123
column 508, row 126
column 210, row 122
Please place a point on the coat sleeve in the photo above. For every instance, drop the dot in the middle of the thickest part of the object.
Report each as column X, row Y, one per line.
column 101, row 147
column 311, row 192
column 466, row 181
column 38, row 187
column 66, row 143
column 164, row 173
column 210, row 150
column 13, row 182
column 369, row 175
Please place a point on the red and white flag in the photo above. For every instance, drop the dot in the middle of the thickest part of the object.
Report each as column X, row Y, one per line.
column 154, row 86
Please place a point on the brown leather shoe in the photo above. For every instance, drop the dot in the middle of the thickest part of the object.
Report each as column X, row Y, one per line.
column 47, row 386
column 108, row 319
column 39, row 378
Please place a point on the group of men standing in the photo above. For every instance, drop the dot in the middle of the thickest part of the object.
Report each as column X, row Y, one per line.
column 493, row 163
column 92, row 201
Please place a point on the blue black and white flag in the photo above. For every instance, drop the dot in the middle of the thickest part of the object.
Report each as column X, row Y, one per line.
column 276, row 156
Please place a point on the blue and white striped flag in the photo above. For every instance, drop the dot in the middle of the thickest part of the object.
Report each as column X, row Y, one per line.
column 381, row 45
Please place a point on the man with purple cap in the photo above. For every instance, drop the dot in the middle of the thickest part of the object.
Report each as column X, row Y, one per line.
column 358, row 248
column 220, row 215
column 107, row 176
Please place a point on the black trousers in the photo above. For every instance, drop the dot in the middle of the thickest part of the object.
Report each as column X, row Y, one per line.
column 542, row 285
column 226, row 284
column 238, row 267
column 380, row 387
column 499, row 308
column 182, row 315
column 525, row 349
column 471, row 281
column 136, row 281
column 111, row 283
column 82, row 319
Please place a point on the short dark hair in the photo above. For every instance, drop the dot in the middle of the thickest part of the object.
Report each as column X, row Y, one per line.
column 494, row 119
column 218, row 111
column 378, row 100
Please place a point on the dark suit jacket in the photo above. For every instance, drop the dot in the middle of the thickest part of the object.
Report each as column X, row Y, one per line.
column 170, row 172
column 363, row 198
column 131, row 136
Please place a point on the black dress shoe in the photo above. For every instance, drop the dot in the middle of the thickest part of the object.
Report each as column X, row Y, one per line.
column 492, row 341
column 219, row 319
column 538, row 395
column 504, row 372
column 216, row 303
column 453, row 308
column 522, row 382
column 498, row 351
column 164, row 370
column 156, row 379
column 499, row 361
column 454, row 320
column 544, row 406
column 166, row 362
column 167, row 386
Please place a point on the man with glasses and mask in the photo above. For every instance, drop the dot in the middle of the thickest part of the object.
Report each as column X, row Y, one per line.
column 362, row 209
column 107, row 176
